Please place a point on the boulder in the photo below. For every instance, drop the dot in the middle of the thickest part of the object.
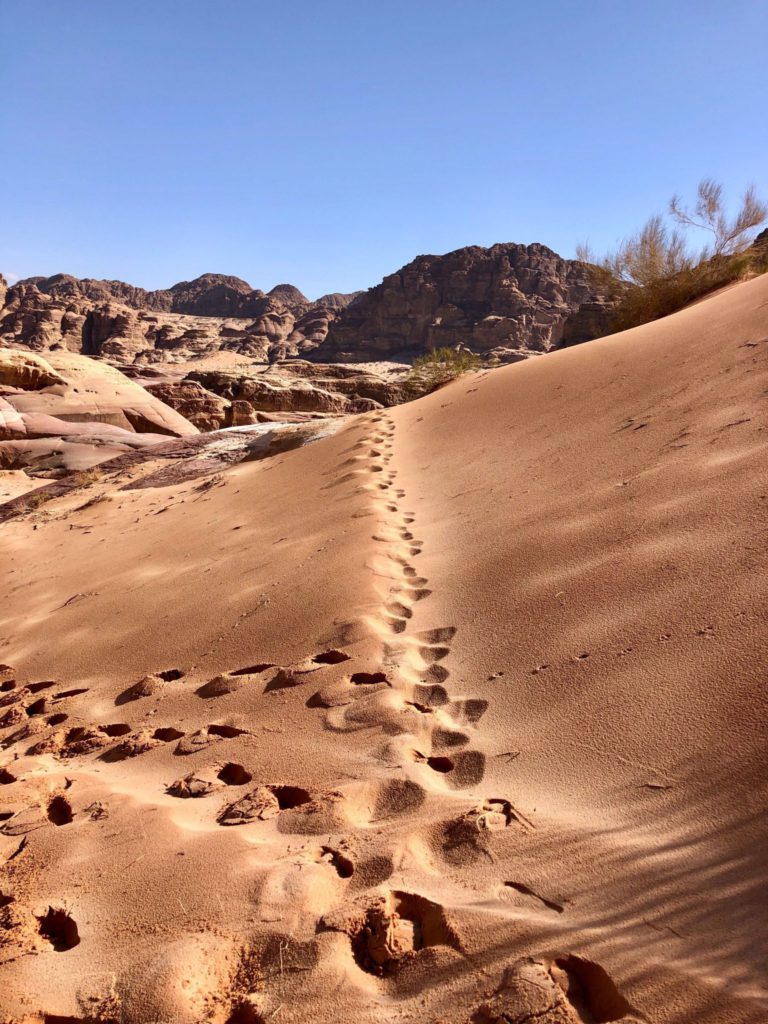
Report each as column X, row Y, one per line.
column 201, row 407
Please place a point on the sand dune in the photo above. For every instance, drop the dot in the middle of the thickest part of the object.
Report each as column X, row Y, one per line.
column 456, row 715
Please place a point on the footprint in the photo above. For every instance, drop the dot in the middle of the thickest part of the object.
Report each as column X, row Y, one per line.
column 469, row 769
column 442, row 635
column 397, row 609
column 59, row 811
column 234, row 775
column 368, row 678
column 39, row 707
column 434, row 695
column 205, row 736
column 395, row 927
column 473, row 829
column 372, row 872
column 59, row 928
column 331, row 658
column 148, row 686
column 432, row 654
column 468, row 711
column 115, row 729
column 167, row 734
column 220, row 685
column 193, row 786
column 398, row 796
column 440, row 764
column 568, row 989
column 66, row 694
column 37, row 687
column 263, row 803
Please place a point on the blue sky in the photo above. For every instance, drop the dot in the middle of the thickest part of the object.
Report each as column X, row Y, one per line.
column 328, row 143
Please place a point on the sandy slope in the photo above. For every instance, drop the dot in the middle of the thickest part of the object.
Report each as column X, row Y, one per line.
column 547, row 739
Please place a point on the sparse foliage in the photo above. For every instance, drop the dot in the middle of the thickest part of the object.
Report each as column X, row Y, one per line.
column 85, row 477
column 439, row 366
column 652, row 254
column 729, row 236
column 669, row 273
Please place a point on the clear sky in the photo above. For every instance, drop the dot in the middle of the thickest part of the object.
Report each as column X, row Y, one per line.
column 328, row 142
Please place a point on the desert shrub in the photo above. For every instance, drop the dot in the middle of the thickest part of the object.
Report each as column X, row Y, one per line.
column 34, row 499
column 660, row 270
column 85, row 477
column 438, row 367
column 666, row 295
column 728, row 236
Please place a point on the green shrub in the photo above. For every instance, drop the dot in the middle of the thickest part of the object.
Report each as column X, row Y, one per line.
column 668, row 294
column 439, row 366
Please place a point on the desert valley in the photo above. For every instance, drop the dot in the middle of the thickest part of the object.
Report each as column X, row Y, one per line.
column 383, row 505
column 446, row 709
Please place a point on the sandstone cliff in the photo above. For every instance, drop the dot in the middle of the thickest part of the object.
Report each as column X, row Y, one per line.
column 90, row 322
column 503, row 301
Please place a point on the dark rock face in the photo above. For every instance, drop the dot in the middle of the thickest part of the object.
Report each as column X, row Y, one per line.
column 208, row 295
column 499, row 302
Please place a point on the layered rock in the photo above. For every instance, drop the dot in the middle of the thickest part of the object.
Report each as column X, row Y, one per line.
column 503, row 303
column 44, row 321
column 69, row 412
column 499, row 302
column 296, row 390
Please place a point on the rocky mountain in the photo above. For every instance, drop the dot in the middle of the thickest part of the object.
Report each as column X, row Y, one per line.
column 504, row 302
column 208, row 295
column 96, row 320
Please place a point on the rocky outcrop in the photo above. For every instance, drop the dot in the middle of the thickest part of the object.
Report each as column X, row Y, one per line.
column 217, row 295
column 499, row 302
column 69, row 412
column 275, row 394
column 45, row 320
column 338, row 300
column 212, row 399
column 26, row 371
column 503, row 303
column 203, row 408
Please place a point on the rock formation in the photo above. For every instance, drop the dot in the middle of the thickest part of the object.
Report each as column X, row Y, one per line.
column 503, row 303
column 68, row 412
column 295, row 390
column 121, row 322
column 500, row 302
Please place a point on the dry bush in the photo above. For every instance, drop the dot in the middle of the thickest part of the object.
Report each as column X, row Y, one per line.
column 729, row 236
column 666, row 295
column 85, row 477
column 438, row 367
column 666, row 272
